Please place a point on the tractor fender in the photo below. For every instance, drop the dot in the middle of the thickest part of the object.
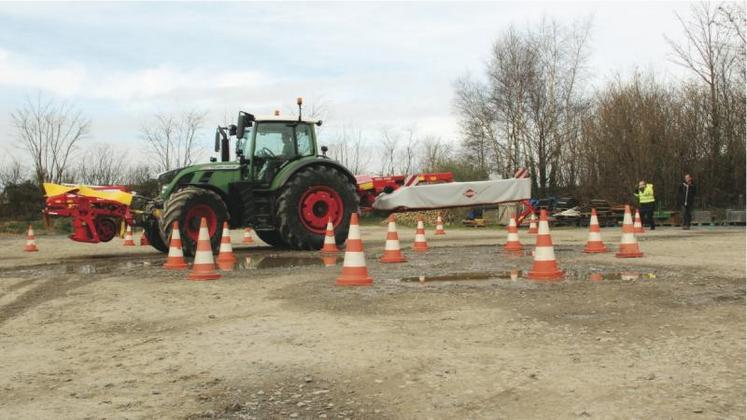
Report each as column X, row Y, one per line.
column 212, row 188
column 284, row 176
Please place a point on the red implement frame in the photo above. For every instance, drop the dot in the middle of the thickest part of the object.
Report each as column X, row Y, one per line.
column 90, row 215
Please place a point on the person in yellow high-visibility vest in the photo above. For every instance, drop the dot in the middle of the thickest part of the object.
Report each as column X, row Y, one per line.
column 646, row 202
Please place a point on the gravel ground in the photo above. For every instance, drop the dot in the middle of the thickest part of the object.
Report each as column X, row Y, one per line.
column 94, row 331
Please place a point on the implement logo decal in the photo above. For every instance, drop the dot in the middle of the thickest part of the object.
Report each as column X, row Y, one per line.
column 470, row 193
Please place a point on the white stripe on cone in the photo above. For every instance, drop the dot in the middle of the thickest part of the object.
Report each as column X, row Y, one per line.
column 354, row 259
column 544, row 253
column 226, row 246
column 420, row 237
column 544, row 228
column 204, row 257
column 628, row 238
column 354, row 232
column 391, row 245
column 174, row 251
column 595, row 237
column 627, row 219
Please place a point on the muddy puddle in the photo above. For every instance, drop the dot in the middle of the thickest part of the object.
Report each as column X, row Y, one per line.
column 515, row 275
column 94, row 266
column 267, row 262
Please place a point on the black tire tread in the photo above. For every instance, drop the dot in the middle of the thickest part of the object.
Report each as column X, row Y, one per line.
column 174, row 209
column 291, row 234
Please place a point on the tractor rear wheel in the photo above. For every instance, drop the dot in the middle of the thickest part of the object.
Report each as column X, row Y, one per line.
column 188, row 206
column 311, row 197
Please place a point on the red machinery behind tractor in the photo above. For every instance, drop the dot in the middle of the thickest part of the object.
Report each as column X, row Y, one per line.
column 369, row 187
column 99, row 213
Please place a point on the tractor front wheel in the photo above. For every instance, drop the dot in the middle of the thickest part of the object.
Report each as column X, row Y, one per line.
column 153, row 232
column 308, row 200
column 189, row 206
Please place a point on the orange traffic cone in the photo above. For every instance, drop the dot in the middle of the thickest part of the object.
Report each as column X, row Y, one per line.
column 128, row 237
column 144, row 239
column 175, row 260
column 512, row 240
column 628, row 243
column 420, row 244
column 247, row 236
column 532, row 224
column 545, row 266
column 594, row 244
column 203, row 267
column 440, row 226
column 392, row 252
column 225, row 254
column 354, row 271
column 30, row 241
column 330, row 246
column 637, row 225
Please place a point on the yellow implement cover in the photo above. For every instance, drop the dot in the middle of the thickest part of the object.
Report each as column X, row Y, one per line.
column 85, row 191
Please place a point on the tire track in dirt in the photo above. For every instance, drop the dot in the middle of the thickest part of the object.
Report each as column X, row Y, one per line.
column 44, row 292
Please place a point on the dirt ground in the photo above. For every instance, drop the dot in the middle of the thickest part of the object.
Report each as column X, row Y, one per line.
column 101, row 331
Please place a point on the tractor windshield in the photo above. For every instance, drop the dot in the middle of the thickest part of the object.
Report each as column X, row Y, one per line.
column 282, row 140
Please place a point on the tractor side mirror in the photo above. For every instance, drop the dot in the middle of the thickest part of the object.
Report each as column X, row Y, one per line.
column 244, row 121
column 232, row 130
column 324, row 150
column 217, row 140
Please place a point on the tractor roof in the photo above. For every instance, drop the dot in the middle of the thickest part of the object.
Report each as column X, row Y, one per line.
column 282, row 118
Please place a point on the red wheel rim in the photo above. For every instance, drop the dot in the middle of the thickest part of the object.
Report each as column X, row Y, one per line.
column 106, row 229
column 317, row 205
column 191, row 225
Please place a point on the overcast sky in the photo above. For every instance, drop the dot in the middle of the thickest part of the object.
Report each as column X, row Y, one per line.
column 371, row 64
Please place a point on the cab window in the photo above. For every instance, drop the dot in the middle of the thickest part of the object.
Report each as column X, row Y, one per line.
column 274, row 140
column 303, row 138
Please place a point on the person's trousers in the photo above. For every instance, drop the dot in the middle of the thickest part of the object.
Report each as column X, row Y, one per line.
column 647, row 215
column 687, row 216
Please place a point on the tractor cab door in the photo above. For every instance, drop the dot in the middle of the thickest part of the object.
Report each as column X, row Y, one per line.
column 276, row 144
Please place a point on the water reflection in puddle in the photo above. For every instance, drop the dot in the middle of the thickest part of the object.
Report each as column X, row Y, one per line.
column 486, row 275
column 515, row 275
column 282, row 261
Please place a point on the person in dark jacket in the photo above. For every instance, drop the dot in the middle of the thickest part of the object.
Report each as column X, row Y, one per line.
column 686, row 200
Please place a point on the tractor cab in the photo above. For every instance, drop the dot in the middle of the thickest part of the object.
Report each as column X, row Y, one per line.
column 271, row 143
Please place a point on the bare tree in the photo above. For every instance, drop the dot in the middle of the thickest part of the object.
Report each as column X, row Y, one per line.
column 434, row 153
column 49, row 131
column 171, row 138
column 408, row 162
column 714, row 52
column 350, row 149
column 389, row 148
column 103, row 164
column 11, row 173
column 528, row 111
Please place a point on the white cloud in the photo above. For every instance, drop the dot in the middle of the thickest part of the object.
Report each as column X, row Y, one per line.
column 78, row 80
column 63, row 80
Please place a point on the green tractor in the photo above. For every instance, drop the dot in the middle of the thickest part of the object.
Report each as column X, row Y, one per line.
column 278, row 184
